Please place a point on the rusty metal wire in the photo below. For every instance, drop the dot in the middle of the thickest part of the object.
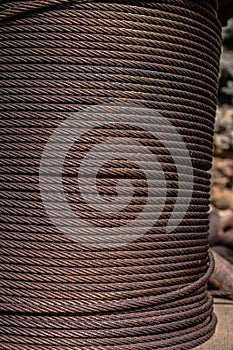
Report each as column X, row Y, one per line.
column 56, row 58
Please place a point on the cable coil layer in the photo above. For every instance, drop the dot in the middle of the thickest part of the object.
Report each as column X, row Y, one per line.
column 154, row 64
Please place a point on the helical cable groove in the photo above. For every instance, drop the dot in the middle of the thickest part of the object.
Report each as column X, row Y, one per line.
column 148, row 73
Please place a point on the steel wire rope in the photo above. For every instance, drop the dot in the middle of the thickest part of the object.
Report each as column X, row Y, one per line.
column 59, row 57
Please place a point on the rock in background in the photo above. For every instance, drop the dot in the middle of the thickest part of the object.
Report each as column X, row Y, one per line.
column 221, row 216
column 222, row 171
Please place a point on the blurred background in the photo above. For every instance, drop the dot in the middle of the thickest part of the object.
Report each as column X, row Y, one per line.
column 221, row 215
column 222, row 171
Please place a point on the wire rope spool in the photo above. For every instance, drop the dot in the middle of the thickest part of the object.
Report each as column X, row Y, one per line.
column 107, row 115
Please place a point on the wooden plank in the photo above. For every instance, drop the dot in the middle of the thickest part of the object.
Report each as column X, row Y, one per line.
column 223, row 337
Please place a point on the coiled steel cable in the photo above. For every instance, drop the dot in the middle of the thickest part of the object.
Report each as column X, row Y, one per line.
column 58, row 57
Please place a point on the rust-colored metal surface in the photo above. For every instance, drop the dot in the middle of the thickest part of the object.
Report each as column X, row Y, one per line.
column 158, row 63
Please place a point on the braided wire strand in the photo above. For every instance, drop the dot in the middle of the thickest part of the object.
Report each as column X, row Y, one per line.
column 56, row 58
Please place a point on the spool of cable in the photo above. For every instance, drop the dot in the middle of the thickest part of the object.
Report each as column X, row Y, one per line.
column 107, row 115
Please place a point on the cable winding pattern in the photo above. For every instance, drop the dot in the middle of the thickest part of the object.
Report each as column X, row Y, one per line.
column 57, row 58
